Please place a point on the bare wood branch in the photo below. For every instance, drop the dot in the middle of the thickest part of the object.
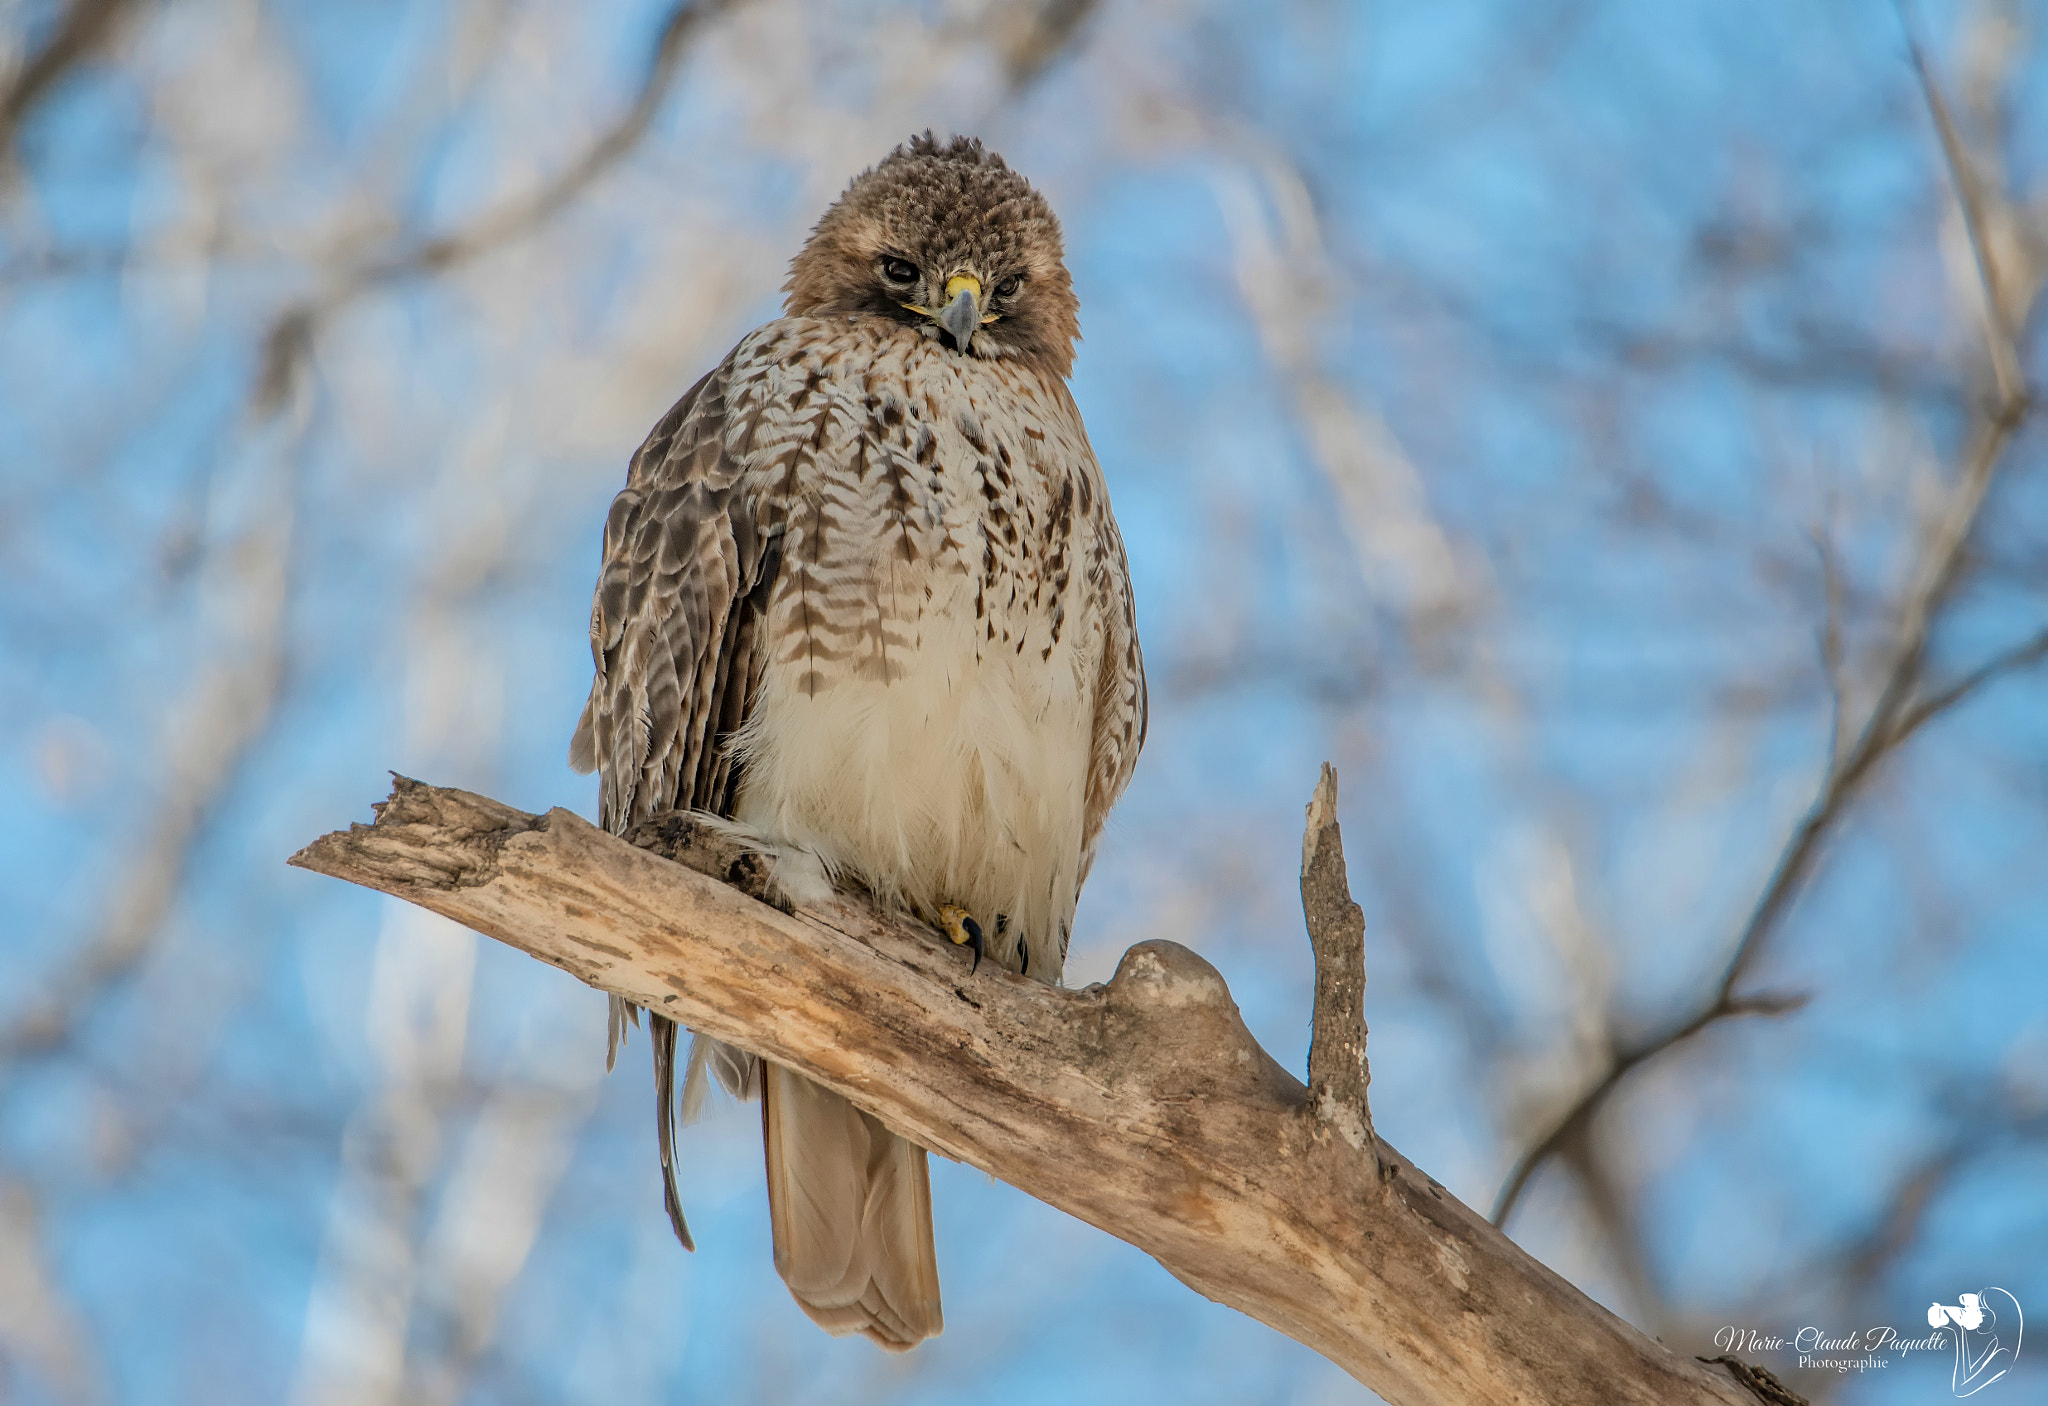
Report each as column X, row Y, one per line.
column 1144, row 1106
column 1338, row 1074
column 1762, row 1385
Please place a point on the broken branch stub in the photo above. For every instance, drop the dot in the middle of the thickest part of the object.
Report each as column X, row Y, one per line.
column 1338, row 1074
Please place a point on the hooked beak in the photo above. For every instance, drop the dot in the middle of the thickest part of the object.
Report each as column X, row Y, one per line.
column 962, row 313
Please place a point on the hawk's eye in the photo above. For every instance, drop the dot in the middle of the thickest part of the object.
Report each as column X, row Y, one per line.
column 899, row 270
column 1009, row 286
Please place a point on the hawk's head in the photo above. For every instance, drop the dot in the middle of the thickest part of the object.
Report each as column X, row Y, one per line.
column 946, row 238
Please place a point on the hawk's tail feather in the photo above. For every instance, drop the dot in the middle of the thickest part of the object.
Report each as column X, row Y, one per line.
column 694, row 1081
column 850, row 1205
column 621, row 1014
column 739, row 1073
column 663, row 1034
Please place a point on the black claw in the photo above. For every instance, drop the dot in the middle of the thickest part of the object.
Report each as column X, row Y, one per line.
column 973, row 931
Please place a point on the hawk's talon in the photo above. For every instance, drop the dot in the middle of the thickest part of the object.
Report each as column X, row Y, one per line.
column 960, row 927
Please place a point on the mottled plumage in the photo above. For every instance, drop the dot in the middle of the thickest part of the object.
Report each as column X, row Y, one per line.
column 863, row 596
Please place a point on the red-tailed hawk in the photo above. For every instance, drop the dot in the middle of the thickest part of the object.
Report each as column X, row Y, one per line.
column 863, row 597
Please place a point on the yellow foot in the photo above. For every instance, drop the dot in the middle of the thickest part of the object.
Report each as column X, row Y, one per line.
column 960, row 928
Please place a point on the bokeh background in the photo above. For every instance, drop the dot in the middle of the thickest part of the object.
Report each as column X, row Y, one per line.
column 1599, row 426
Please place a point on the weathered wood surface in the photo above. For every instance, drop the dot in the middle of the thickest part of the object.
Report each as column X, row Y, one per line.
column 1143, row 1106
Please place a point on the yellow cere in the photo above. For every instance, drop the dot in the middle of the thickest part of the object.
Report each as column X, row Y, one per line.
column 954, row 285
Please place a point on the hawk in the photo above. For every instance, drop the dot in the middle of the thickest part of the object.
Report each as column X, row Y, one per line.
column 863, row 598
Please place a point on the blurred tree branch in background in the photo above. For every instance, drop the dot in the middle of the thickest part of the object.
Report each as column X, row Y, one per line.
column 1905, row 698
column 290, row 338
column 84, row 27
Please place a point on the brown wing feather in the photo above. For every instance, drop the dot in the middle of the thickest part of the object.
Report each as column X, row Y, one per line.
column 1122, row 708
column 675, row 633
column 673, row 629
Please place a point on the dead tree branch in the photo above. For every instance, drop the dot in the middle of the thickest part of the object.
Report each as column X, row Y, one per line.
column 1144, row 1107
column 1338, row 1074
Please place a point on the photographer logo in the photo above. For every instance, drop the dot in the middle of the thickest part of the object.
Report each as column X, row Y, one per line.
column 1979, row 1333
